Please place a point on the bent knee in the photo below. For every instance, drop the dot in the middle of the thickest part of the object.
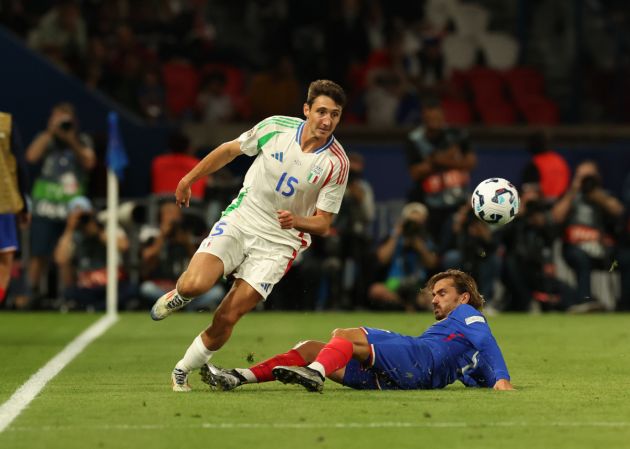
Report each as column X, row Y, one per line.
column 344, row 333
column 190, row 286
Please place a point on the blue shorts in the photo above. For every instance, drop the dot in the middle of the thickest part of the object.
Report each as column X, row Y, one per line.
column 45, row 234
column 397, row 362
column 8, row 233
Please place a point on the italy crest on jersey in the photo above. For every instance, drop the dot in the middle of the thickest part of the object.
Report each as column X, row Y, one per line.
column 315, row 174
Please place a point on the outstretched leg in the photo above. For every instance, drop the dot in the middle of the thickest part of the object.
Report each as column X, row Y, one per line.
column 329, row 362
column 227, row 379
column 241, row 298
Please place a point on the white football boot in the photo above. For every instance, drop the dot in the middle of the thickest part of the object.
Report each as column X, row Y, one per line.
column 179, row 380
column 167, row 304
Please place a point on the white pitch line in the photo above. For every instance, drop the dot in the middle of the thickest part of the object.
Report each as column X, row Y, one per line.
column 27, row 392
column 306, row 426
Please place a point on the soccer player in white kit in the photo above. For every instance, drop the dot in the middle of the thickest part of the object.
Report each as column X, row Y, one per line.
column 292, row 189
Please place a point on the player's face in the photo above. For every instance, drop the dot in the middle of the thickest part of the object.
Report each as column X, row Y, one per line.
column 446, row 298
column 322, row 117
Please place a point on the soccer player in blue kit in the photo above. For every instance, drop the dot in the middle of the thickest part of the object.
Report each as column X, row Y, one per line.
column 459, row 346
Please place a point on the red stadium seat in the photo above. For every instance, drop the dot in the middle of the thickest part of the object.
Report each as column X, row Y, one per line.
column 486, row 84
column 181, row 81
column 457, row 112
column 524, row 80
column 539, row 111
column 499, row 113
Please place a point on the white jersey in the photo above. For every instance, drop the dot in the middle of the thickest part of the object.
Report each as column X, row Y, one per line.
column 284, row 177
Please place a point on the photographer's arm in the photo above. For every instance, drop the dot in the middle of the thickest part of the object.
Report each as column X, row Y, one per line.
column 420, row 170
column 428, row 257
column 85, row 154
column 385, row 251
column 561, row 209
column 608, row 202
column 38, row 146
column 454, row 158
column 65, row 246
column 122, row 242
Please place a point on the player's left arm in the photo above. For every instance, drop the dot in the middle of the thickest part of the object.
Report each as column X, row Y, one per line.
column 478, row 333
column 318, row 224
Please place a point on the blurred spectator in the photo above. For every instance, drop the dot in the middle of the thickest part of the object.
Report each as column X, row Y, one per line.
column 151, row 97
column 440, row 162
column 405, row 257
column 428, row 69
column 548, row 169
column 214, row 104
column 165, row 255
column 354, row 227
column 13, row 202
column 471, row 246
column 529, row 267
column 81, row 254
column 61, row 35
column 275, row 91
column 16, row 16
column 388, row 100
column 346, row 40
column 94, row 72
column 588, row 213
column 169, row 168
column 67, row 156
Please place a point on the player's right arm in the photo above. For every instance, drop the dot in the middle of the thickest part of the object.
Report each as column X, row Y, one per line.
column 214, row 161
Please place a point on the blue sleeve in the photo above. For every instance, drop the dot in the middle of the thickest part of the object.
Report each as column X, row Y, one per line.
column 475, row 328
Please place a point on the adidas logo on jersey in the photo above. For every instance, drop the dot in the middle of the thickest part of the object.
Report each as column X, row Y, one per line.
column 265, row 286
column 278, row 156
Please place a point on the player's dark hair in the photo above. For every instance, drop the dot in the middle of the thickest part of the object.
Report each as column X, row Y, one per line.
column 328, row 88
column 463, row 282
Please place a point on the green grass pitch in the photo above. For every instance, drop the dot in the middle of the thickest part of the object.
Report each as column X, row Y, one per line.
column 572, row 374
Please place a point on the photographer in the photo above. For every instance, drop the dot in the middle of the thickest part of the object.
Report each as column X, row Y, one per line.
column 354, row 227
column 440, row 161
column 588, row 213
column 406, row 257
column 529, row 268
column 471, row 246
column 165, row 254
column 81, row 254
column 66, row 157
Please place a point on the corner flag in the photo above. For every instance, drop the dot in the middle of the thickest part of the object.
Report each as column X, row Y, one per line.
column 116, row 157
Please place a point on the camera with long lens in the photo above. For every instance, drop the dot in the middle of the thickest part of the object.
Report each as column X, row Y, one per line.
column 412, row 228
column 590, row 183
column 66, row 125
column 85, row 219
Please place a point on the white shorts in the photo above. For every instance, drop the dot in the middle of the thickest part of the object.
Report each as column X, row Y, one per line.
column 257, row 261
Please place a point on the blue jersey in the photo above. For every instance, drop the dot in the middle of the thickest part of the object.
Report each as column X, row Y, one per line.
column 459, row 347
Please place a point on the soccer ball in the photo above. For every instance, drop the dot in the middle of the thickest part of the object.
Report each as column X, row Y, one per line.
column 495, row 201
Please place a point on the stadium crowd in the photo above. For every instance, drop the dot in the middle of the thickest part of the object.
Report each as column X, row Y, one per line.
column 247, row 61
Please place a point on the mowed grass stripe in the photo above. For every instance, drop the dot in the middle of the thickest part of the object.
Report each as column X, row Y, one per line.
column 29, row 340
column 568, row 370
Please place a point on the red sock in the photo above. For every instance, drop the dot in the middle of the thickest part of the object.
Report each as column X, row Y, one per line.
column 2, row 293
column 262, row 371
column 336, row 354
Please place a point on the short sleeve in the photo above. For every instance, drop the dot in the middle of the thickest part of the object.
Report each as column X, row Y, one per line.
column 331, row 194
column 418, row 147
column 249, row 141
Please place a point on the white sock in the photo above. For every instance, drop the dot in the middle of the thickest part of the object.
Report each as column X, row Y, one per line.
column 196, row 355
column 181, row 296
column 318, row 367
column 248, row 375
